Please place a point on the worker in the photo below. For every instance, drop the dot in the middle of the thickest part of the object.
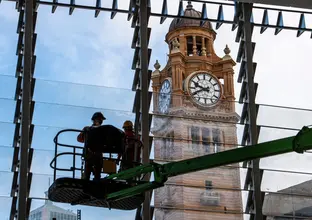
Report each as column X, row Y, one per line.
column 131, row 156
column 93, row 154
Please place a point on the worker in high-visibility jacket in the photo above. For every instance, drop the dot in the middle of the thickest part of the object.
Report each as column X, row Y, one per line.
column 132, row 154
column 93, row 155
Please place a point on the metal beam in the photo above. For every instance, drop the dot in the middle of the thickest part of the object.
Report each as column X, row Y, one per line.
column 299, row 143
column 252, row 108
column 143, row 14
column 26, row 98
column 287, row 3
column 97, row 8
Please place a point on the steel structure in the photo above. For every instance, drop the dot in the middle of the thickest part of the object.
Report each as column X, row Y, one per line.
column 292, row 3
column 140, row 11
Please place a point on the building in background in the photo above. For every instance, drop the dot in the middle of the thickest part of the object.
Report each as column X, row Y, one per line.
column 292, row 201
column 196, row 89
column 49, row 211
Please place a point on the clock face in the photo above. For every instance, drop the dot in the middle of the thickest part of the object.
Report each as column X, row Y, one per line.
column 204, row 89
column 164, row 96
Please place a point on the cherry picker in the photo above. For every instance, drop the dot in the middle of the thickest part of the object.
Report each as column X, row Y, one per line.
column 121, row 191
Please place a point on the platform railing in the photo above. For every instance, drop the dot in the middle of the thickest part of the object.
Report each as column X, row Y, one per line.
column 75, row 152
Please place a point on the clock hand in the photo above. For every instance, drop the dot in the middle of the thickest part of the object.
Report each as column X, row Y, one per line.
column 206, row 89
column 194, row 93
column 197, row 85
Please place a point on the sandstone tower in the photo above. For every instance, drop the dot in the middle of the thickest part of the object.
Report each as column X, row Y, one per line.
column 195, row 115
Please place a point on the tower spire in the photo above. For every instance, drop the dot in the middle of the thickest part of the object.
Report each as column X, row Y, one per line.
column 47, row 201
column 189, row 5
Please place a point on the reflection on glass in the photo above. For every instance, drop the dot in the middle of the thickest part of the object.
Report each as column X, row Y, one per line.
column 195, row 141
column 197, row 131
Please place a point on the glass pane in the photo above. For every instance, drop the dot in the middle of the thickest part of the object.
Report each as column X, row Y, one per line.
column 6, row 157
column 43, row 137
column 195, row 138
column 75, row 61
column 290, row 161
column 5, row 206
column 8, row 19
column 83, row 95
column 42, row 159
column 66, row 116
column 271, row 182
column 283, row 117
column 6, row 183
column 7, row 85
column 7, row 110
column 6, row 134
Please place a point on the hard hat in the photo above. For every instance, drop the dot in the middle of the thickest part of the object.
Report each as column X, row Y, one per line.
column 127, row 124
column 98, row 115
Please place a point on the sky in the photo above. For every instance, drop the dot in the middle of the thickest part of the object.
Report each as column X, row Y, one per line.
column 84, row 65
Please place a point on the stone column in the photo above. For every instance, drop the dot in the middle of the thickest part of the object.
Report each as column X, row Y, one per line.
column 194, row 46
column 208, row 48
column 203, row 47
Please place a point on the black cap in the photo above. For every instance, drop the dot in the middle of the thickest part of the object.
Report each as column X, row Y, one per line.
column 98, row 115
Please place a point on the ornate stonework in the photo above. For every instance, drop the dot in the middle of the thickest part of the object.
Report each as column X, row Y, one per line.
column 205, row 116
column 222, row 106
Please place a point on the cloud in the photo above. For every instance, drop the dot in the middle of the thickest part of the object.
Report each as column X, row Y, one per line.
column 82, row 48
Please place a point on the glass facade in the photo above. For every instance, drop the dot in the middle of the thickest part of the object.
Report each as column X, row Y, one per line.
column 61, row 216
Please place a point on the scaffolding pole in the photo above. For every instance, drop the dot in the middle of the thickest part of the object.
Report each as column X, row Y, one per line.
column 143, row 15
column 26, row 97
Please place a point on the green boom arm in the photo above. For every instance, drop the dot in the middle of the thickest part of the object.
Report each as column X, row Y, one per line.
column 299, row 143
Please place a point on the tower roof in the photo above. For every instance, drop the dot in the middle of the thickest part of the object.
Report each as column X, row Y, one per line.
column 189, row 12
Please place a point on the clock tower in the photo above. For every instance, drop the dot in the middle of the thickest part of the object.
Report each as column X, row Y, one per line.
column 194, row 115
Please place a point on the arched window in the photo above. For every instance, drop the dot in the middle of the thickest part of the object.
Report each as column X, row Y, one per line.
column 167, row 146
column 206, row 140
column 189, row 45
column 216, row 139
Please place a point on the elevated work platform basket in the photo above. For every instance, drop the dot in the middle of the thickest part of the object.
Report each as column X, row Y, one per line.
column 74, row 189
column 91, row 193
